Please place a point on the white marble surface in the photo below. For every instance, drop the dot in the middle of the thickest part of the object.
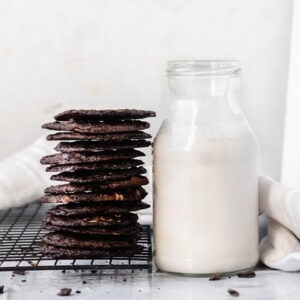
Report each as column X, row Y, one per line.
column 268, row 284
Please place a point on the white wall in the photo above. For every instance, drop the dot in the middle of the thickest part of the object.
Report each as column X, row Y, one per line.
column 291, row 156
column 61, row 54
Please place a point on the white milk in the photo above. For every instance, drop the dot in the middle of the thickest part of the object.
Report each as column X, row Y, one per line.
column 205, row 201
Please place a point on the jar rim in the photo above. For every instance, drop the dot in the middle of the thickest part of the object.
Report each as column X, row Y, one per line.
column 204, row 68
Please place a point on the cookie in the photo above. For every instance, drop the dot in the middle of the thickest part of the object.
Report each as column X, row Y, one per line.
column 97, row 176
column 92, row 146
column 106, row 165
column 76, row 253
column 108, row 114
column 71, row 188
column 82, row 209
column 72, row 240
column 103, row 220
column 103, row 127
column 85, row 157
column 132, row 229
column 69, row 136
column 125, row 195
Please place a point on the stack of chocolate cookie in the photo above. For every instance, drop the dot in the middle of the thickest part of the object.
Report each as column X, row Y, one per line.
column 103, row 179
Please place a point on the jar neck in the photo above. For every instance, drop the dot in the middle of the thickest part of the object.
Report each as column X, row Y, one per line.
column 205, row 100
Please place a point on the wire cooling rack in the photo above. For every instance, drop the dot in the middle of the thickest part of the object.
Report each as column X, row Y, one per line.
column 20, row 234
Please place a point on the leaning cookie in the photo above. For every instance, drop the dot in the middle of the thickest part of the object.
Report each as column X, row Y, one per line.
column 71, row 188
column 103, row 127
column 120, row 195
column 102, row 220
column 87, row 157
column 76, row 253
column 107, row 114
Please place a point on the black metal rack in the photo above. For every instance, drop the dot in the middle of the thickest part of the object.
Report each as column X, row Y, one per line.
column 20, row 234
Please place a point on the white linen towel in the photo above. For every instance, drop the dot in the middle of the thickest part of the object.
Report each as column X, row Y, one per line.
column 23, row 180
column 22, row 177
column 280, row 249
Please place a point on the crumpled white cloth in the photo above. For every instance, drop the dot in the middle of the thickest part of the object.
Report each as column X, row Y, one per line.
column 22, row 177
column 280, row 249
column 23, row 180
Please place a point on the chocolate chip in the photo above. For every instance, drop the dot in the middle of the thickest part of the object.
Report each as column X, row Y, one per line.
column 246, row 274
column 78, row 292
column 233, row 293
column 1, row 289
column 216, row 276
column 18, row 272
column 64, row 292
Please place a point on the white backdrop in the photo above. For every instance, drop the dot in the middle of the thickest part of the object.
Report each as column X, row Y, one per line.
column 63, row 54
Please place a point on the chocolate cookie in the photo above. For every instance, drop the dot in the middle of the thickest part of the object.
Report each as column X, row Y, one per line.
column 86, row 209
column 108, row 114
column 111, row 185
column 69, row 136
column 100, row 146
column 125, row 195
column 106, row 165
column 72, row 240
column 85, row 157
column 103, row 220
column 103, row 127
column 132, row 229
column 97, row 176
column 76, row 253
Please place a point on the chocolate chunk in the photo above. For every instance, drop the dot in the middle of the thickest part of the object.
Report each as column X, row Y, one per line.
column 246, row 274
column 233, row 293
column 64, row 292
column 216, row 276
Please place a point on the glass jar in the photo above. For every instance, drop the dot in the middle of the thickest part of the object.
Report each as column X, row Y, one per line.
column 205, row 174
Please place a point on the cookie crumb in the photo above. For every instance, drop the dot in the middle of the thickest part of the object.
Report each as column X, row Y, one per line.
column 124, row 279
column 84, row 282
column 65, row 292
column 18, row 273
column 216, row 276
column 93, row 271
column 32, row 263
column 24, row 280
column 246, row 274
column 1, row 289
column 63, row 271
column 233, row 293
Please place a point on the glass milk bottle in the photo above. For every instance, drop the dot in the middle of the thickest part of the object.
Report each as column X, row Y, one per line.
column 205, row 174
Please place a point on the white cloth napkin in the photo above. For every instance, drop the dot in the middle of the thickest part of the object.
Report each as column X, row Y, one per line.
column 280, row 249
column 23, row 180
column 22, row 177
